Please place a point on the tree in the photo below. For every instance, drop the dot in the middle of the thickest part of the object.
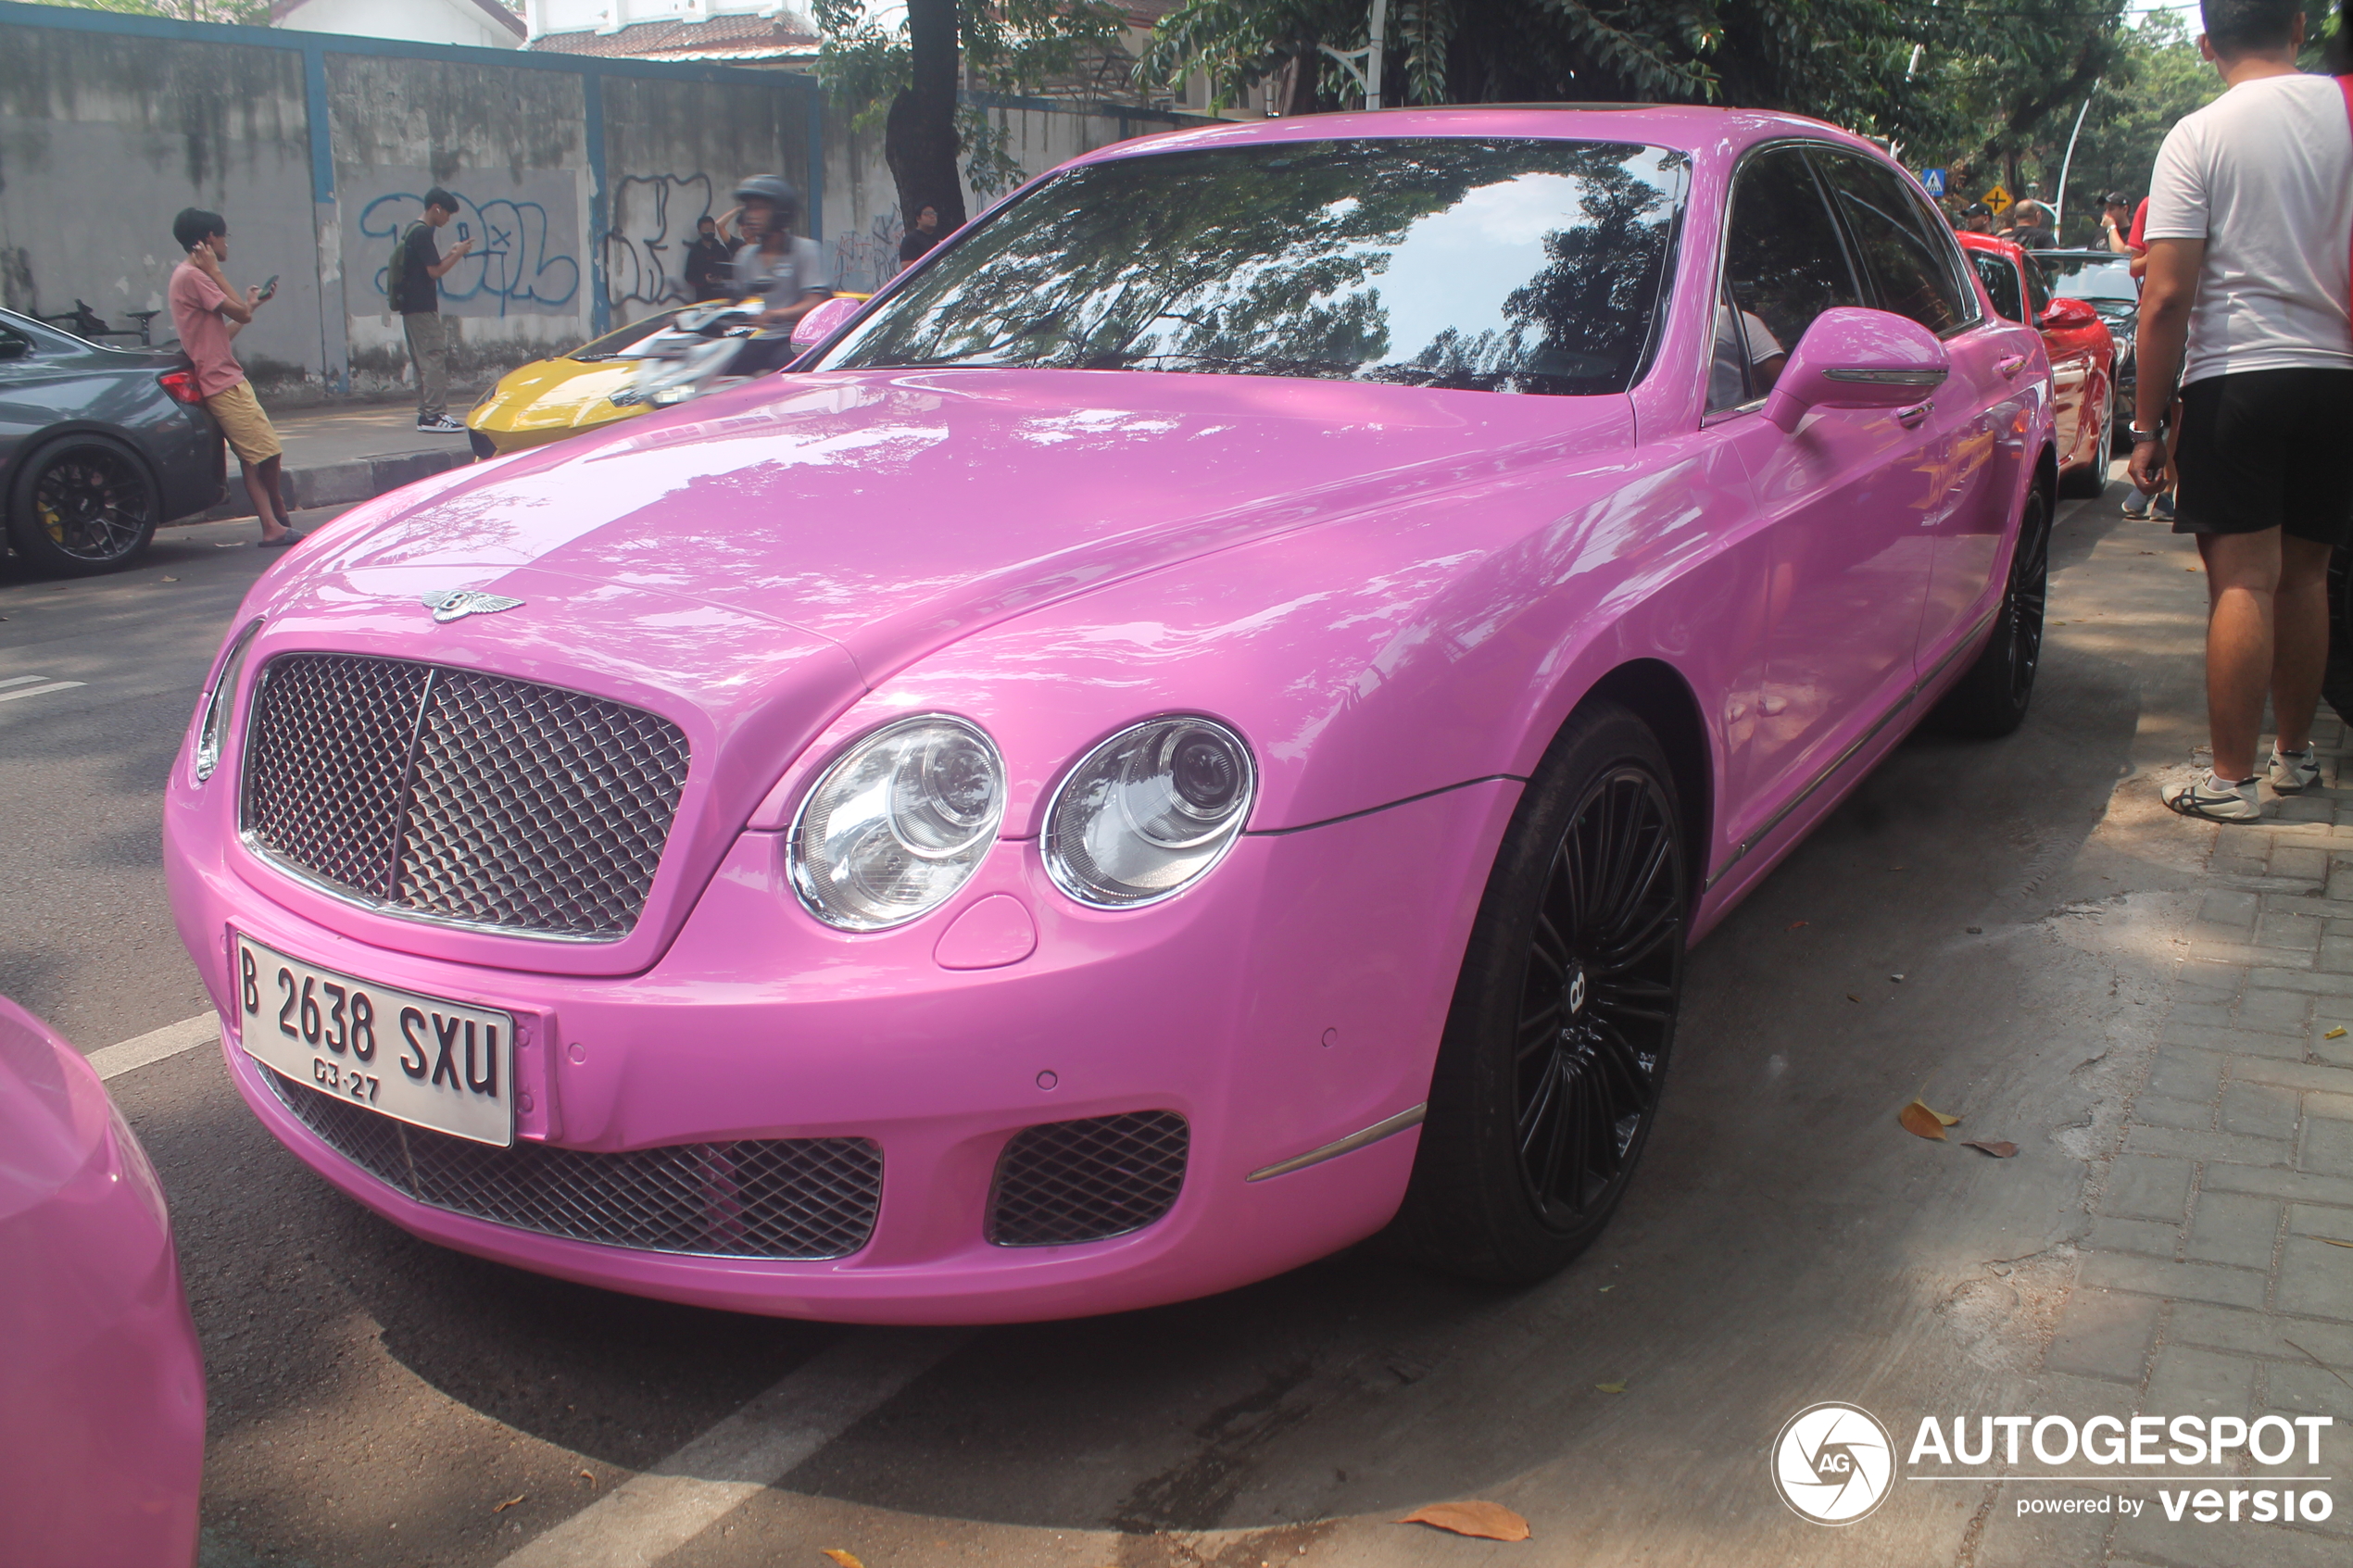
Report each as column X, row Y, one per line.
column 254, row 13
column 904, row 78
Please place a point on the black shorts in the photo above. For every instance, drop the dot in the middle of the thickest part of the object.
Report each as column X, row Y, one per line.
column 2258, row 450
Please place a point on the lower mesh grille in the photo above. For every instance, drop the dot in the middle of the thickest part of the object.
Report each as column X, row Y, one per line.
column 780, row 1198
column 1084, row 1181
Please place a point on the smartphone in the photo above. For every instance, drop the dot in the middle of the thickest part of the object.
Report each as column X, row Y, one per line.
column 465, row 231
column 269, row 289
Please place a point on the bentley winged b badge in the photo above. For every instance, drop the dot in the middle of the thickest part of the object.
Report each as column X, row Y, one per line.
column 456, row 604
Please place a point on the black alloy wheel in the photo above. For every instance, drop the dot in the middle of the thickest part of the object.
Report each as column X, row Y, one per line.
column 1991, row 699
column 81, row 505
column 1548, row 1079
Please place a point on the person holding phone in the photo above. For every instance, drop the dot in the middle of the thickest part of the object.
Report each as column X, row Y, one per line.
column 209, row 312
column 413, row 284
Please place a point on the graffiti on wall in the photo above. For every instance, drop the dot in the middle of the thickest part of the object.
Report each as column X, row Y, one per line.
column 863, row 263
column 524, row 259
column 653, row 224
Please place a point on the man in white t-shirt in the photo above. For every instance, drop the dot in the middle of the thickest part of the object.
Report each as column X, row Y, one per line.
column 2248, row 304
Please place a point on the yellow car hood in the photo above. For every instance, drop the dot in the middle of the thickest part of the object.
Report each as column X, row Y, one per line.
column 553, row 396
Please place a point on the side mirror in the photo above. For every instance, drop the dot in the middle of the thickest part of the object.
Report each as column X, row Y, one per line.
column 14, row 347
column 1856, row 358
column 819, row 324
column 2065, row 315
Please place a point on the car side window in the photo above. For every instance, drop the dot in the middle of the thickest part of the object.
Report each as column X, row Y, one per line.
column 1906, row 259
column 2001, row 283
column 1784, row 265
column 2038, row 288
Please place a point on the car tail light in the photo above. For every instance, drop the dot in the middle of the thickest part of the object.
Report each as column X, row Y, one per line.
column 182, row 384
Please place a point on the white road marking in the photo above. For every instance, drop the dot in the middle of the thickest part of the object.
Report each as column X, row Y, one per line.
column 22, row 680
column 155, row 1045
column 40, row 691
column 645, row 1518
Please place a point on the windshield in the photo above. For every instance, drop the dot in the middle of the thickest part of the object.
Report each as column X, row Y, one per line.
column 616, row 344
column 2093, row 278
column 1494, row 266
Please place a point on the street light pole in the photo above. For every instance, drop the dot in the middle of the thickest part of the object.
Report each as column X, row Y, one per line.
column 2058, row 212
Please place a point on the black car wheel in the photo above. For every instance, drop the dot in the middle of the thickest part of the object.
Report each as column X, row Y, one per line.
column 81, row 504
column 1548, row 1078
column 1990, row 700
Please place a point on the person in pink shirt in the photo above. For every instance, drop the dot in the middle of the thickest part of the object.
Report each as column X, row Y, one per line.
column 209, row 313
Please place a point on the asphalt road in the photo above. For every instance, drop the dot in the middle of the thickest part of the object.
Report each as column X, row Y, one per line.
column 1975, row 922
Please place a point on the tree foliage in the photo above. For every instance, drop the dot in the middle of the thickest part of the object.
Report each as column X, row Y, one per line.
column 903, row 77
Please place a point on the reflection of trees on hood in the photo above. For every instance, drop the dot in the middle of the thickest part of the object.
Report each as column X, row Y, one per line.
column 1272, row 258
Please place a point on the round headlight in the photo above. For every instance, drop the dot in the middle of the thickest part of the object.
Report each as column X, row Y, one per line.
column 220, row 702
column 898, row 825
column 1148, row 812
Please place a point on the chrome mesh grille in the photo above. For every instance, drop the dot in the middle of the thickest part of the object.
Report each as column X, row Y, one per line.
column 1084, row 1181
column 779, row 1198
column 455, row 796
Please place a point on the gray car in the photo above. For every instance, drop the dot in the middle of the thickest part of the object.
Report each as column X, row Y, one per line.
column 98, row 447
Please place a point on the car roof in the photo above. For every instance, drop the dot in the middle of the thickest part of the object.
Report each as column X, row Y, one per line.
column 1684, row 127
column 1990, row 243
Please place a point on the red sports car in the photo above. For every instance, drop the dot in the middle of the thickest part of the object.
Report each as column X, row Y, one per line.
column 2083, row 357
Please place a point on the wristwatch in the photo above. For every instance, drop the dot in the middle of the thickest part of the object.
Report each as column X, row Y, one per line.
column 2139, row 436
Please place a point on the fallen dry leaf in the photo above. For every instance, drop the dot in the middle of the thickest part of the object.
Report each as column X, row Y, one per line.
column 1611, row 1388
column 1488, row 1520
column 847, row 1559
column 2000, row 1149
column 586, row 1475
column 510, row 1503
column 171, row 580
column 1922, row 1122
column 1795, row 924
column 2335, row 1033
column 2332, row 1241
column 1853, row 997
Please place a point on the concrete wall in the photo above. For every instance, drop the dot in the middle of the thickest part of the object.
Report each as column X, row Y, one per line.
column 581, row 180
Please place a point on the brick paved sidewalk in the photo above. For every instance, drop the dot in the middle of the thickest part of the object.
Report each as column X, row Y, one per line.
column 2210, row 1281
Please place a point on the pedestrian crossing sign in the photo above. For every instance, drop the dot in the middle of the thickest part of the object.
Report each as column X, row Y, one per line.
column 1932, row 181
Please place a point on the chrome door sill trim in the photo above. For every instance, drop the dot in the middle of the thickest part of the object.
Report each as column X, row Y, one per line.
column 1843, row 757
column 1348, row 1145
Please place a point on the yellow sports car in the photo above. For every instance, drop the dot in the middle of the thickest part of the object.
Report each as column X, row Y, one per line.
column 549, row 399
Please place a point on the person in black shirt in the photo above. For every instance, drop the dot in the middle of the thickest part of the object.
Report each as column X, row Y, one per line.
column 706, row 262
column 415, row 288
column 922, row 237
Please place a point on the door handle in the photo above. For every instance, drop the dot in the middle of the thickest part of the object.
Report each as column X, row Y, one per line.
column 2011, row 366
column 1910, row 417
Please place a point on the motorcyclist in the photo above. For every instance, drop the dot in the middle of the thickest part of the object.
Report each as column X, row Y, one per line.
column 787, row 272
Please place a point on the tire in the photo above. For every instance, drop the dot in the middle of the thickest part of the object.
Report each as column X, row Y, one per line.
column 1990, row 700
column 2090, row 482
column 1548, row 1076
column 82, row 504
column 2336, row 681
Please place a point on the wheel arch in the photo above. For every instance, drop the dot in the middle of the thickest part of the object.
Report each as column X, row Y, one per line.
column 1655, row 692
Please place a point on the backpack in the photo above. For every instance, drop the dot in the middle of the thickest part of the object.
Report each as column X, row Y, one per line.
column 395, row 274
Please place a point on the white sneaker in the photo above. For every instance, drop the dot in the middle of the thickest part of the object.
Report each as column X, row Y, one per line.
column 2293, row 773
column 444, row 425
column 2136, row 504
column 2216, row 799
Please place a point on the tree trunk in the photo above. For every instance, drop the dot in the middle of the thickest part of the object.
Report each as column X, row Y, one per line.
column 919, row 136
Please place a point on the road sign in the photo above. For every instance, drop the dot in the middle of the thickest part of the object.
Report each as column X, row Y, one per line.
column 1932, row 181
column 1998, row 199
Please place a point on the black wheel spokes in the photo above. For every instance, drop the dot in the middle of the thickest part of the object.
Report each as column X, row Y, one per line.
column 92, row 504
column 1598, row 1003
column 2030, row 591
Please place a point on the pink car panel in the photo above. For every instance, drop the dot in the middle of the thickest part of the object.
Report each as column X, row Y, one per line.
column 102, row 1391
column 1395, row 594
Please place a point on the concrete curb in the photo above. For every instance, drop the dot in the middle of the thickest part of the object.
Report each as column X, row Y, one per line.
column 336, row 485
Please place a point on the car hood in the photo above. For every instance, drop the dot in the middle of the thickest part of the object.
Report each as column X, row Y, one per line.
column 890, row 512
column 555, row 393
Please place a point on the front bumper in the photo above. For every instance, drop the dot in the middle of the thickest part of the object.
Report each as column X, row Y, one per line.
column 1293, row 998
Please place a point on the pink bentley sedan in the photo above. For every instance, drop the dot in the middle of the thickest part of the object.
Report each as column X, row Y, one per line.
column 102, row 1391
column 1199, row 726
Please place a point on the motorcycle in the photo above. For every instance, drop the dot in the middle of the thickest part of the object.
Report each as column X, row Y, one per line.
column 714, row 347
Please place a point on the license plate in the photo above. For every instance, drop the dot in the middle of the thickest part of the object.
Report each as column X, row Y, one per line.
column 417, row 1059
